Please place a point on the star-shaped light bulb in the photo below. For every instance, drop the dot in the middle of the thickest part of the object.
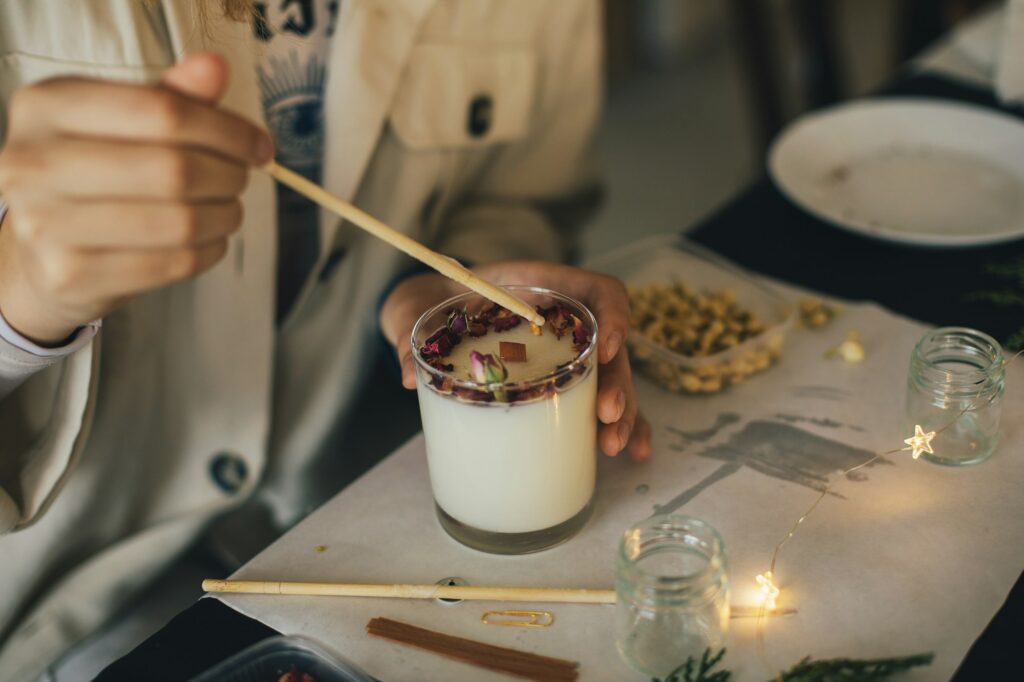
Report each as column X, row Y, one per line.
column 768, row 589
column 920, row 441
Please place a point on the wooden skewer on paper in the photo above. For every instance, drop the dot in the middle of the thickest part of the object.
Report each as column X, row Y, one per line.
column 449, row 267
column 467, row 592
column 464, row 592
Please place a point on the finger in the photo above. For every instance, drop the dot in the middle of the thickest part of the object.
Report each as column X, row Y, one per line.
column 609, row 302
column 112, row 274
column 89, row 168
column 130, row 225
column 403, row 348
column 614, row 380
column 80, row 107
column 615, row 390
column 640, row 441
column 202, row 76
column 605, row 296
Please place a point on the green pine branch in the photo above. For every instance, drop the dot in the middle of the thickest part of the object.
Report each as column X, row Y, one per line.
column 852, row 669
column 807, row 670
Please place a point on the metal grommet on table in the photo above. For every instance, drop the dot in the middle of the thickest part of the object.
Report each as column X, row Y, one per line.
column 452, row 582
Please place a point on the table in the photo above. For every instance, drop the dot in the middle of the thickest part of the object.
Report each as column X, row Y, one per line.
column 761, row 231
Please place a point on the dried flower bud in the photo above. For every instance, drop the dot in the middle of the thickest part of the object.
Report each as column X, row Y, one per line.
column 486, row 369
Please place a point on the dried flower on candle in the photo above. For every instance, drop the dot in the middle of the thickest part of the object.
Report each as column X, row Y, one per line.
column 486, row 369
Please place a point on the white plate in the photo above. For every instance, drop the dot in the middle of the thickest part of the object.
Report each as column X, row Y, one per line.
column 914, row 170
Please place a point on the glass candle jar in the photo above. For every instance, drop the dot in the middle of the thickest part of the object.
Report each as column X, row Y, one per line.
column 512, row 459
column 672, row 593
column 956, row 370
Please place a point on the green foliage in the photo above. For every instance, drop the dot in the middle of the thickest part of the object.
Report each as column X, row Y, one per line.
column 807, row 670
column 1013, row 273
column 852, row 669
column 686, row 672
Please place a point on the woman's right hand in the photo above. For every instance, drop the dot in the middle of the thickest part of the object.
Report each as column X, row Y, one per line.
column 114, row 189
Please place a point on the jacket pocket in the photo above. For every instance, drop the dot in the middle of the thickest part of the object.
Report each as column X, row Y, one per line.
column 461, row 96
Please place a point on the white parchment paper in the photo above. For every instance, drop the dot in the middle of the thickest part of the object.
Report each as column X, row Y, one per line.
column 910, row 557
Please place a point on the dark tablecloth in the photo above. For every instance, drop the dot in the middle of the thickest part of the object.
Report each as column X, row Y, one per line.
column 761, row 231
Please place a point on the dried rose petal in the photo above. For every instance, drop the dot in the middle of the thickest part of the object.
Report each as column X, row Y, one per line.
column 457, row 322
column 506, row 322
column 580, row 334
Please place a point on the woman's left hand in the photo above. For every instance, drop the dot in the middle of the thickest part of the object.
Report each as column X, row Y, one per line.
column 622, row 424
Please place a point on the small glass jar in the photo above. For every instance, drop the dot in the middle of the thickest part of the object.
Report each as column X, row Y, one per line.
column 672, row 593
column 956, row 370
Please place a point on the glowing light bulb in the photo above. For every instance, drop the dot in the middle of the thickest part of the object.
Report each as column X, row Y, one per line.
column 920, row 441
column 768, row 589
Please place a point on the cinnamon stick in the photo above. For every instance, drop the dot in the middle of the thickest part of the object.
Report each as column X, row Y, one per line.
column 496, row 658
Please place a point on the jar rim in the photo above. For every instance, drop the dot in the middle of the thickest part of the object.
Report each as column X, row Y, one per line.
column 580, row 360
column 980, row 357
column 704, row 584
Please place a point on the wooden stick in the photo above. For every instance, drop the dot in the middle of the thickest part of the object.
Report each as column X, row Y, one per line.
column 500, row 659
column 466, row 592
column 449, row 267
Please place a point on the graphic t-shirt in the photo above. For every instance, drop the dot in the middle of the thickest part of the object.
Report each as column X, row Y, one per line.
column 295, row 35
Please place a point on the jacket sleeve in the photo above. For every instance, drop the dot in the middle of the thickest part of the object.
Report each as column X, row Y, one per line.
column 537, row 191
column 43, row 424
column 44, row 394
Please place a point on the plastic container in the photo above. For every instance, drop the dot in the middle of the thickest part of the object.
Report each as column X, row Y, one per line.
column 268, row 660
column 666, row 259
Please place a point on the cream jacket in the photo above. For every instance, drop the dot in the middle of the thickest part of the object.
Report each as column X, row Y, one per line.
column 189, row 401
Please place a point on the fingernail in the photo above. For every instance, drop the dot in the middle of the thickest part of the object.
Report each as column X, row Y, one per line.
column 623, row 433
column 614, row 342
column 620, row 405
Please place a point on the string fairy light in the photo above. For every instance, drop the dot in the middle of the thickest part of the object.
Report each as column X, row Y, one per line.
column 920, row 441
column 917, row 444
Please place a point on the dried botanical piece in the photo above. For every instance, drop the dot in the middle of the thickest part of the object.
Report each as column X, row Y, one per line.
column 691, row 323
column 698, row 324
column 850, row 350
column 815, row 313
column 485, row 368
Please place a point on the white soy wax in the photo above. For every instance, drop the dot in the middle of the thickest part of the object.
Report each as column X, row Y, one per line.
column 520, row 466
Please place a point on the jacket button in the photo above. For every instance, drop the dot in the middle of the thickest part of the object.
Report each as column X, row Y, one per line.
column 481, row 111
column 228, row 471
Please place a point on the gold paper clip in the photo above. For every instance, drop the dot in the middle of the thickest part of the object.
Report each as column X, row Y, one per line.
column 519, row 619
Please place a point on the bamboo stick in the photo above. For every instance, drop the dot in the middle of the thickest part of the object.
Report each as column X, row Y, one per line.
column 466, row 592
column 449, row 267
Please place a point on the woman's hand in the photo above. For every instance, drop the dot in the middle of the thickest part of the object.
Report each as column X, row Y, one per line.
column 115, row 189
column 622, row 424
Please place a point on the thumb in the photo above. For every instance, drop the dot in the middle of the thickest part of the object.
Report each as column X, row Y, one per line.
column 201, row 75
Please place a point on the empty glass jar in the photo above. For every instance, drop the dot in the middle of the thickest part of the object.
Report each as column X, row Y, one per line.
column 673, row 593
column 955, row 388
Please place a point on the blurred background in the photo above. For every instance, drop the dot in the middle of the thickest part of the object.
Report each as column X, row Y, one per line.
column 698, row 88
